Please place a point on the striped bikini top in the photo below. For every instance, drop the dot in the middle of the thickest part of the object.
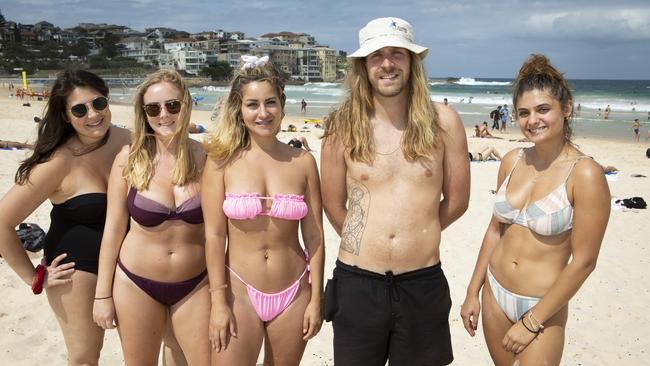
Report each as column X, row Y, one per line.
column 551, row 215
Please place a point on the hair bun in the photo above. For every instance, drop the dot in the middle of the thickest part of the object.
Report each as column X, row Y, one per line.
column 538, row 65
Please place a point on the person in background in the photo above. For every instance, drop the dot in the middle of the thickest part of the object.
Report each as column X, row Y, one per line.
column 303, row 106
column 15, row 145
column 299, row 142
column 636, row 127
column 495, row 115
column 488, row 153
column 504, row 114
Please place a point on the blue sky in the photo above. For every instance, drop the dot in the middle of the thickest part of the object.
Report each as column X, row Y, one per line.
column 587, row 39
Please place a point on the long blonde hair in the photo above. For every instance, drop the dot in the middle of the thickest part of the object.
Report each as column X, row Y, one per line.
column 350, row 122
column 231, row 136
column 139, row 168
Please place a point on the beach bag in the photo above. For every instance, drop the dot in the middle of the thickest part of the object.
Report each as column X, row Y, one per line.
column 31, row 236
column 634, row 202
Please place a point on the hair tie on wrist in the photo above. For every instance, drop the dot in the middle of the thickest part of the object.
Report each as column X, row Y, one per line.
column 532, row 318
column 39, row 278
column 528, row 329
column 220, row 287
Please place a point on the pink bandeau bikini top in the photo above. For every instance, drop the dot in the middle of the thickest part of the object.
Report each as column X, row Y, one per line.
column 247, row 206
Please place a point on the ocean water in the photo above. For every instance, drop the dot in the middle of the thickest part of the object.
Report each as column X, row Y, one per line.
column 475, row 98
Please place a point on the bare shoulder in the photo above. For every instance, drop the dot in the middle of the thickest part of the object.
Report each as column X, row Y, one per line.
column 120, row 135
column 214, row 163
column 57, row 166
column 123, row 155
column 306, row 158
column 587, row 171
column 331, row 142
column 447, row 117
column 198, row 151
column 509, row 159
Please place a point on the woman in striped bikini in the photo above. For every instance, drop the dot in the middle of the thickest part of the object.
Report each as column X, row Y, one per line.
column 545, row 233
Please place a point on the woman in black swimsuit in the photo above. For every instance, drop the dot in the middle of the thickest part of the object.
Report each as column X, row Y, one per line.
column 69, row 166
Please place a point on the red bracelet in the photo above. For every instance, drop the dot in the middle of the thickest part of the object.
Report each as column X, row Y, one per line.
column 39, row 278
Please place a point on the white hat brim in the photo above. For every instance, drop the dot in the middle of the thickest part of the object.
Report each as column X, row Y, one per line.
column 378, row 43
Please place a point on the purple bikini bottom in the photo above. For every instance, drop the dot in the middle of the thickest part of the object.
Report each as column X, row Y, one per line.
column 167, row 293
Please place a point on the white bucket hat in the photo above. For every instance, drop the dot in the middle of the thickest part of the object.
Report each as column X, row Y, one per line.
column 387, row 32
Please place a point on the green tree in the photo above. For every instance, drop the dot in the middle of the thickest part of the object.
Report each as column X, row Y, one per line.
column 18, row 52
column 79, row 49
column 109, row 45
column 284, row 75
column 219, row 70
column 49, row 49
column 98, row 62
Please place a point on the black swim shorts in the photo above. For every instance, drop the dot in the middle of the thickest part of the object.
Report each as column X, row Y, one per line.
column 401, row 318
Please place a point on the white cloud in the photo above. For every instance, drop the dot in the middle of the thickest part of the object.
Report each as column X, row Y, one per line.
column 47, row 3
column 588, row 25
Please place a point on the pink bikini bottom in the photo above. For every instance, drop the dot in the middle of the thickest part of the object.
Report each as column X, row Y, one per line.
column 268, row 306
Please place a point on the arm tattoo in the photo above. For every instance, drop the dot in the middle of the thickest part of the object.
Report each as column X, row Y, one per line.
column 355, row 220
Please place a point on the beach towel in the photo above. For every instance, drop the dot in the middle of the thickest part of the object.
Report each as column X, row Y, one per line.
column 31, row 236
column 634, row 202
column 611, row 176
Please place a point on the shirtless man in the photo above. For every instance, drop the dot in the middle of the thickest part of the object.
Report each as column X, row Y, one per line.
column 385, row 166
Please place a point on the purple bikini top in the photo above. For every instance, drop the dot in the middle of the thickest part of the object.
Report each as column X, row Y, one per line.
column 247, row 206
column 148, row 212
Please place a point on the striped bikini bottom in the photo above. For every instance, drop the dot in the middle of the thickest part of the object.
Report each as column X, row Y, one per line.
column 513, row 305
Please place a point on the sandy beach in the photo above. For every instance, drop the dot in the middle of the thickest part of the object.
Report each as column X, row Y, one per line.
column 607, row 323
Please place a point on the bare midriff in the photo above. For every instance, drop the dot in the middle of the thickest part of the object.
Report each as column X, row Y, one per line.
column 528, row 264
column 392, row 222
column 265, row 252
column 170, row 252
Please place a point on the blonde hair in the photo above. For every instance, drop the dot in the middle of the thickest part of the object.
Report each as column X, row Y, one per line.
column 139, row 168
column 350, row 122
column 537, row 73
column 231, row 136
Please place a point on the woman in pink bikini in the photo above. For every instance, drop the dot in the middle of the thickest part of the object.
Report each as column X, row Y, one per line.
column 256, row 193
column 152, row 272
column 549, row 219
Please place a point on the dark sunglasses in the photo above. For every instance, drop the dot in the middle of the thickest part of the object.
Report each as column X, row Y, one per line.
column 154, row 109
column 80, row 110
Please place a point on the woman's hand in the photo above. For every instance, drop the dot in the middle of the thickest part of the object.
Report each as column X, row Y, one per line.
column 58, row 274
column 222, row 326
column 470, row 311
column 517, row 338
column 312, row 320
column 104, row 313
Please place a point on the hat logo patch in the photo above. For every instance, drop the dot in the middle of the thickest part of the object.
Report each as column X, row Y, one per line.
column 393, row 25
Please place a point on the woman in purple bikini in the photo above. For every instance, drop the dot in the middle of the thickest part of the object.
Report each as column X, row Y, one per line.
column 256, row 193
column 152, row 267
